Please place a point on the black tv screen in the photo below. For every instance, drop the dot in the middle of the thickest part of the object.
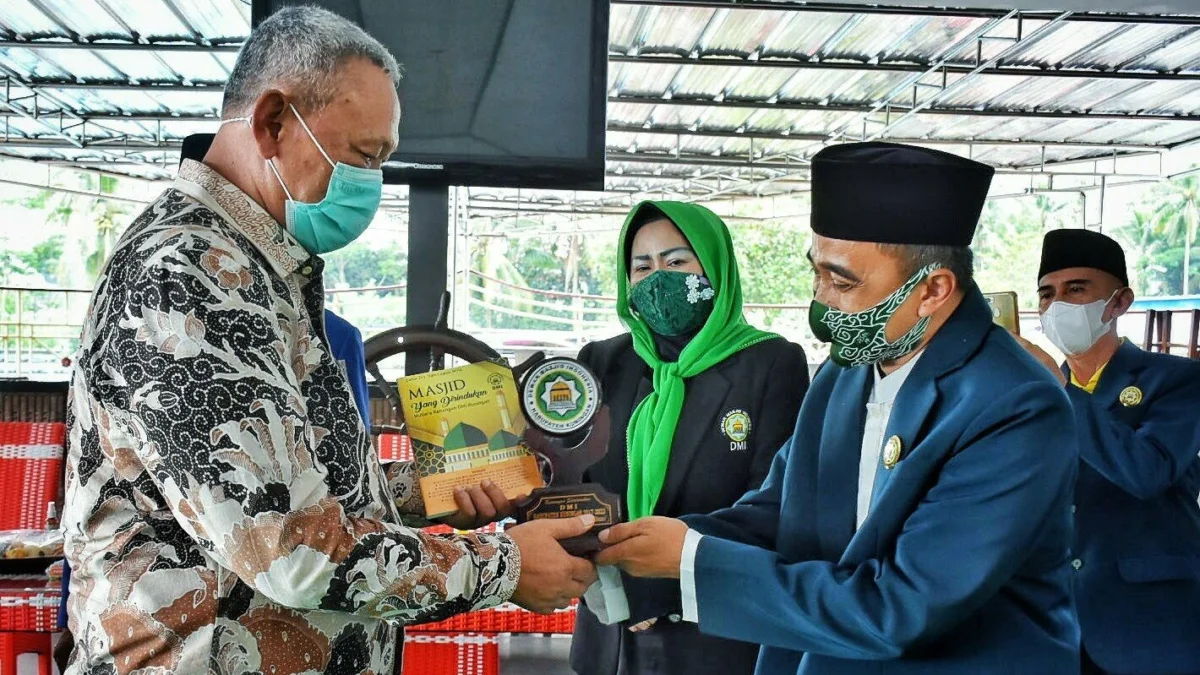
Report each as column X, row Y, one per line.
column 502, row 93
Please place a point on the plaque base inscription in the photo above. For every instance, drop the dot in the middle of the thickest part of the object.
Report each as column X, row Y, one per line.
column 568, row 501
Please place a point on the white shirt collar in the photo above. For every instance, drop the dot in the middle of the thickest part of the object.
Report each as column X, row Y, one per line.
column 887, row 387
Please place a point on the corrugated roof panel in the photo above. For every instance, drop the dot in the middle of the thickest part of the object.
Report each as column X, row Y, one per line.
column 1038, row 92
column 675, row 115
column 622, row 22
column 182, row 129
column 757, row 83
column 188, row 102
column 1172, row 55
column 219, row 20
column 86, row 18
column 702, row 81
column 1130, row 95
column 818, row 122
column 80, row 65
column 675, row 30
column 935, row 36
column 195, row 67
column 1178, row 99
column 868, row 88
column 999, row 40
column 726, row 119
column 803, row 37
column 983, row 90
column 27, row 21
column 28, row 64
column 704, row 144
column 1086, row 94
column 619, row 139
column 639, row 79
column 736, row 147
column 227, row 58
column 811, row 86
column 1117, row 50
column 106, row 100
column 1109, row 131
column 629, row 113
column 1064, row 40
column 871, row 36
column 657, row 142
column 1170, row 133
column 140, row 66
column 151, row 19
column 775, row 120
column 742, row 31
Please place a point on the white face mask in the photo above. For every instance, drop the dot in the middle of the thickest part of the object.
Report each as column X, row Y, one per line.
column 1075, row 328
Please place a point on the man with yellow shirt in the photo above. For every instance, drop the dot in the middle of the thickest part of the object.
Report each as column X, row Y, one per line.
column 1136, row 551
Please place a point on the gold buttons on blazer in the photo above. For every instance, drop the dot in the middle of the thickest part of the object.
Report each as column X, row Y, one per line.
column 891, row 452
column 1130, row 396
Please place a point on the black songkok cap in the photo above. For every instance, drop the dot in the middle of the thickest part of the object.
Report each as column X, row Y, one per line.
column 897, row 194
column 195, row 147
column 1064, row 249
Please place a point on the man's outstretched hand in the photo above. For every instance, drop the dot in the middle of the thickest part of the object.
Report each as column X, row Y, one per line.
column 550, row 577
column 478, row 506
column 647, row 547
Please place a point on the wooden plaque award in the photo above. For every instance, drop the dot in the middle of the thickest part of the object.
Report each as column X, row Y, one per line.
column 561, row 398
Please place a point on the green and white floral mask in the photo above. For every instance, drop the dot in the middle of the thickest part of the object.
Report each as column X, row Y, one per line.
column 673, row 303
column 859, row 338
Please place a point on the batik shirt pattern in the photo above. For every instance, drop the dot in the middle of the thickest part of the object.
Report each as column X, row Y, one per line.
column 225, row 512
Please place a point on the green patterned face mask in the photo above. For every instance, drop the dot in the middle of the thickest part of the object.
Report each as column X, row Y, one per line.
column 673, row 303
column 859, row 338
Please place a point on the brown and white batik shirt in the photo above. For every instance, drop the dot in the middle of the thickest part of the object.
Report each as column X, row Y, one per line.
column 225, row 512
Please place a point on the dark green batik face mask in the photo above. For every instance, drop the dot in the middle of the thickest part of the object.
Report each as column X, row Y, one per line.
column 859, row 338
column 673, row 303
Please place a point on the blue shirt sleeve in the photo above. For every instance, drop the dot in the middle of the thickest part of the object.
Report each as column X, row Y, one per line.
column 346, row 343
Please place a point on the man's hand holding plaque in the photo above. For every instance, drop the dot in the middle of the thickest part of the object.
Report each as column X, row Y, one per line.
column 561, row 398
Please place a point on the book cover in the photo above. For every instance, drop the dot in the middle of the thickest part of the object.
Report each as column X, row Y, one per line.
column 466, row 426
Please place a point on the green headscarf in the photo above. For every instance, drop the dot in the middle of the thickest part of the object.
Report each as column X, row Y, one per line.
column 652, row 426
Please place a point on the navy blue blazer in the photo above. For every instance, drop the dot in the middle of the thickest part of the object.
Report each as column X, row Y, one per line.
column 1137, row 522
column 962, row 565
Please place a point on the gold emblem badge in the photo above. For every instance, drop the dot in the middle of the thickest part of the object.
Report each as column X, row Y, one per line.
column 891, row 452
column 1130, row 396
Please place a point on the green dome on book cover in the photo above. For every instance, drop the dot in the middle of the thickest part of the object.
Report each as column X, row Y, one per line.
column 503, row 440
column 464, row 435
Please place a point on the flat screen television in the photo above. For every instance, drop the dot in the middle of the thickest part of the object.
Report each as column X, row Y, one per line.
column 500, row 93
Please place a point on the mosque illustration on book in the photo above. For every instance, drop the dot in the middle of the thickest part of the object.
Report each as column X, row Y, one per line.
column 467, row 447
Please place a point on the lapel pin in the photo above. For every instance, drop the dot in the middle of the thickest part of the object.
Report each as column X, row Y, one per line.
column 891, row 452
column 1130, row 396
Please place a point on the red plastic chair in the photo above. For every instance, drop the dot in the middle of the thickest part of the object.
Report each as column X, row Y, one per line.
column 13, row 645
column 31, row 470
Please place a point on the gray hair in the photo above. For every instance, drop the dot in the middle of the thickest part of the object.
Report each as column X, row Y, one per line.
column 958, row 259
column 303, row 47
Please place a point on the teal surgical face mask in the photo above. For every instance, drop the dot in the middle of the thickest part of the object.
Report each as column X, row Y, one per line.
column 350, row 202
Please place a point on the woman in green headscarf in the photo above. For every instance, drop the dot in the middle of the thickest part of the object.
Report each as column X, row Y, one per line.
column 700, row 402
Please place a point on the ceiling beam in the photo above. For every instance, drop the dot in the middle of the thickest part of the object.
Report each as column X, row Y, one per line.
column 686, row 132
column 967, row 112
column 184, row 47
column 165, row 86
column 832, row 8
column 782, row 136
column 953, row 69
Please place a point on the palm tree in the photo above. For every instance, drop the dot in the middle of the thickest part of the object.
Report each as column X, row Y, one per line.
column 1177, row 216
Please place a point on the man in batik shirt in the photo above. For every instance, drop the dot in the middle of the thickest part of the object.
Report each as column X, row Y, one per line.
column 225, row 511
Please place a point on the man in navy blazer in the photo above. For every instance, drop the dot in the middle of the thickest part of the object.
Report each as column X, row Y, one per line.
column 918, row 521
column 1137, row 522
